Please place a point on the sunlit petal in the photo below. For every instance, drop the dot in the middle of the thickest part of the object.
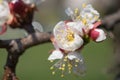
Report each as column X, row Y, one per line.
column 56, row 54
column 102, row 35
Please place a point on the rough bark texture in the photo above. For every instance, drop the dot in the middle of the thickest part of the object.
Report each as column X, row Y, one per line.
column 16, row 48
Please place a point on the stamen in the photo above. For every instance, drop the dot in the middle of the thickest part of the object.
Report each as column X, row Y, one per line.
column 51, row 68
column 83, row 5
column 62, row 75
column 76, row 11
column 53, row 73
column 78, row 17
column 84, row 21
column 76, row 65
column 77, row 60
column 51, row 60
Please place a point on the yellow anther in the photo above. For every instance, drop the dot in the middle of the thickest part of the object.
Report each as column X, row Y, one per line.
column 83, row 5
column 70, row 35
column 84, row 21
column 53, row 73
column 69, row 65
column 51, row 68
column 76, row 65
column 78, row 17
column 62, row 69
column 63, row 65
column 62, row 75
column 51, row 60
column 65, row 59
column 76, row 11
column 76, row 60
column 70, row 68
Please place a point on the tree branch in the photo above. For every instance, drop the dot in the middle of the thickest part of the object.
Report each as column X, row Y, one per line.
column 15, row 49
column 110, row 21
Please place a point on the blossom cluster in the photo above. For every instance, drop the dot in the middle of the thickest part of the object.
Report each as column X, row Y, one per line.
column 16, row 12
column 70, row 36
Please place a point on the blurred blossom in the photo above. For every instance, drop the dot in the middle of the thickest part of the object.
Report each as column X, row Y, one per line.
column 4, row 12
column 4, row 16
column 37, row 2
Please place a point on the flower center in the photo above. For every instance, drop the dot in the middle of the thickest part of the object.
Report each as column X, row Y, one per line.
column 70, row 35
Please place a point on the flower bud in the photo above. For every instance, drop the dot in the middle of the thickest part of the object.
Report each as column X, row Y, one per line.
column 97, row 35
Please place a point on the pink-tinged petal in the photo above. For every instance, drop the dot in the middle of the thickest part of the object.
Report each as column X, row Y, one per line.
column 56, row 54
column 3, row 29
column 94, row 34
column 97, row 24
column 102, row 35
column 4, row 12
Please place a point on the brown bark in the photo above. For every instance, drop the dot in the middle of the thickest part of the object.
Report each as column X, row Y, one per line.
column 16, row 48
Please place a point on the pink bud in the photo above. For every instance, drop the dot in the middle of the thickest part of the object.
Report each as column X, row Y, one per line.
column 94, row 34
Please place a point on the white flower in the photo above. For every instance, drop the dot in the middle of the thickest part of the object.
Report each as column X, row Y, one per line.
column 4, row 12
column 89, row 14
column 66, row 38
column 73, row 61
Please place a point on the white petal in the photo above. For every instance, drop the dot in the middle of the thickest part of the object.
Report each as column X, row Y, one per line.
column 59, row 26
column 4, row 12
column 102, row 35
column 56, row 55
column 76, row 26
column 69, row 12
column 37, row 26
column 74, row 55
column 73, row 45
column 80, row 69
